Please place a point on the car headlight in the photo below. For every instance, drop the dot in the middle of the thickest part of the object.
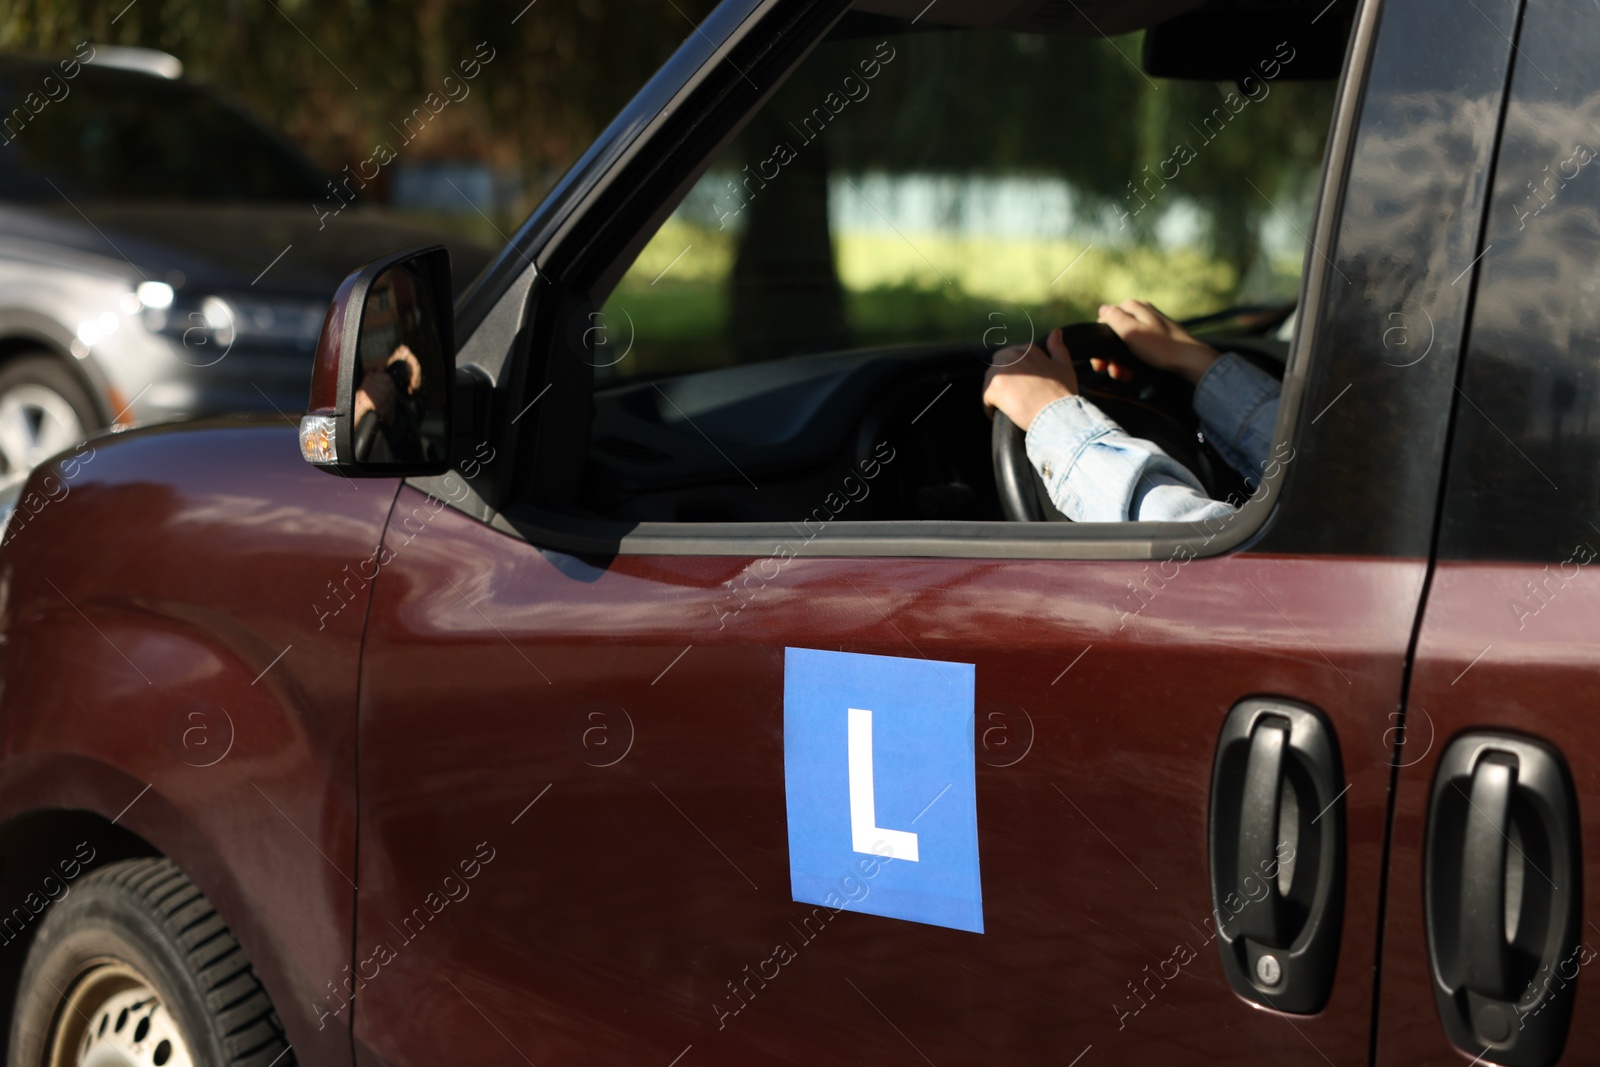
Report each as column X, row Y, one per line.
column 156, row 295
column 214, row 323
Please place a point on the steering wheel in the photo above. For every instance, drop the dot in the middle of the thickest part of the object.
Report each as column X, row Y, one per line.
column 1155, row 405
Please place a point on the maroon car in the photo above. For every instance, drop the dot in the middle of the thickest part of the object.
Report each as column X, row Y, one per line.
column 664, row 669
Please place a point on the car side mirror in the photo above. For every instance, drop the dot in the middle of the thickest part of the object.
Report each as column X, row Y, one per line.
column 382, row 388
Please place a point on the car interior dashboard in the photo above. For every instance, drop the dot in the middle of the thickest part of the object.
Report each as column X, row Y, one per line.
column 875, row 434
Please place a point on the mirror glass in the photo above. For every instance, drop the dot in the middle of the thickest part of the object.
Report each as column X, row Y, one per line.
column 400, row 416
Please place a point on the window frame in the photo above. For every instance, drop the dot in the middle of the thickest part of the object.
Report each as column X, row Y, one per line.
column 561, row 294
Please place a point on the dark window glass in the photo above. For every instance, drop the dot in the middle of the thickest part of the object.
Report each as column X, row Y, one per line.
column 1524, row 478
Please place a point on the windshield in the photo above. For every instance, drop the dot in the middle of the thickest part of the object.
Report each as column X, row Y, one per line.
column 979, row 186
column 120, row 136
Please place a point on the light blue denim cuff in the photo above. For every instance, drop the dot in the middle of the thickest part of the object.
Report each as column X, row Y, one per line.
column 1237, row 403
column 1095, row 472
column 1056, row 441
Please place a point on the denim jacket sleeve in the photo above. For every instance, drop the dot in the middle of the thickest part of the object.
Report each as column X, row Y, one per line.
column 1096, row 472
column 1237, row 403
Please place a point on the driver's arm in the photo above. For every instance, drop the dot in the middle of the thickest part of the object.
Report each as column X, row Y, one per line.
column 1236, row 401
column 1094, row 471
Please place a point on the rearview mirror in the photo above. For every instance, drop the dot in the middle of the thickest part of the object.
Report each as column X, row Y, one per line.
column 381, row 386
column 1245, row 41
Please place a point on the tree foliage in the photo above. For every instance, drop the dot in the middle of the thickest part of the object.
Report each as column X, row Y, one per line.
column 339, row 74
column 991, row 104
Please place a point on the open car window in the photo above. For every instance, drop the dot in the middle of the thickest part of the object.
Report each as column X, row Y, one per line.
column 911, row 198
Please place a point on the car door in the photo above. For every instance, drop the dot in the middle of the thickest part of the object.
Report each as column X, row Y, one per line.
column 1490, row 930
column 654, row 794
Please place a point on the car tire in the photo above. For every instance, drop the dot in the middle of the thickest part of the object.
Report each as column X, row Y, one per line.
column 135, row 957
column 44, row 409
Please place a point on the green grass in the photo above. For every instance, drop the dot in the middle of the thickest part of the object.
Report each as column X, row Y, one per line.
column 674, row 302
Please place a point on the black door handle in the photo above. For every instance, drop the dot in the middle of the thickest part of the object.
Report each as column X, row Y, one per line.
column 1258, row 827
column 1277, row 854
column 1485, row 966
column 1502, row 891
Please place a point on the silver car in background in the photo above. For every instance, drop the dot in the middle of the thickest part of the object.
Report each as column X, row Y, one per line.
column 161, row 253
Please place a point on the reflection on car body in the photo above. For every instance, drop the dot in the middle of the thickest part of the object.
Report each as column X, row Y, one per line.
column 1267, row 767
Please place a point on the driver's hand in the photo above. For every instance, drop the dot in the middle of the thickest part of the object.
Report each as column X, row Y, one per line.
column 403, row 354
column 376, row 394
column 1157, row 340
column 1024, row 380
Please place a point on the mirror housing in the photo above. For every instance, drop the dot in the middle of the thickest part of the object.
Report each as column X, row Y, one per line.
column 382, row 387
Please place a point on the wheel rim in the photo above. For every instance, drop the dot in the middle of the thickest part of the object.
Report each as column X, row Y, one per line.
column 36, row 422
column 113, row 1017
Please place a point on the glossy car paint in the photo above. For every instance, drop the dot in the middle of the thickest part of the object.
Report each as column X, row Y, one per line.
column 179, row 637
column 620, row 905
column 1477, row 670
column 630, row 894
column 1512, row 626
column 615, row 908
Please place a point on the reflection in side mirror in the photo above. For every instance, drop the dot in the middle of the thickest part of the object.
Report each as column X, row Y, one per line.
column 381, row 388
column 400, row 414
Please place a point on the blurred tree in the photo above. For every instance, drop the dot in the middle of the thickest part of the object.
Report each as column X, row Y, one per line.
column 1062, row 107
column 786, row 295
column 1006, row 105
column 341, row 75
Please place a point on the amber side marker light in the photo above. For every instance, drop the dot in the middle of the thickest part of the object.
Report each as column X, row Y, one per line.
column 317, row 439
